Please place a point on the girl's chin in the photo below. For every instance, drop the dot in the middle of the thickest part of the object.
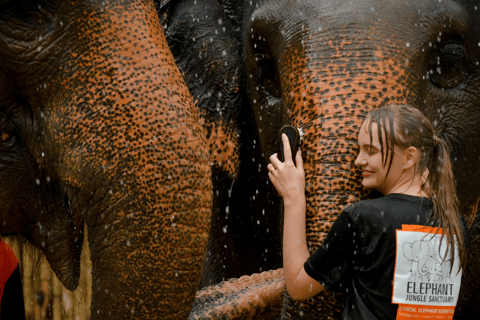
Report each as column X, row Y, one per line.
column 371, row 186
column 368, row 184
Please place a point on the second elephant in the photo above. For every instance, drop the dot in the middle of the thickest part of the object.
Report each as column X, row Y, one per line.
column 321, row 65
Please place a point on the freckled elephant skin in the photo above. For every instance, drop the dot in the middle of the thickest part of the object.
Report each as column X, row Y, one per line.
column 322, row 65
column 98, row 127
column 249, row 297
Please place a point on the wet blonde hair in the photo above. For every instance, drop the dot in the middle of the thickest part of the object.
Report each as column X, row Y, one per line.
column 413, row 129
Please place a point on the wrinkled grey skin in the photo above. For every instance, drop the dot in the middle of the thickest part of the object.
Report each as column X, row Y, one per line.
column 321, row 65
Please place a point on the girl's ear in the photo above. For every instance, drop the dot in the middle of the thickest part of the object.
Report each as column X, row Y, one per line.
column 411, row 156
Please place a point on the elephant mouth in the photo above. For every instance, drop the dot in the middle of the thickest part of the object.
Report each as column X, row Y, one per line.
column 62, row 247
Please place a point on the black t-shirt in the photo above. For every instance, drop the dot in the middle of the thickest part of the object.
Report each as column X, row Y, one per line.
column 358, row 255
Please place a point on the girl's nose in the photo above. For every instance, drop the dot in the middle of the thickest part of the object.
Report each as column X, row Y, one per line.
column 360, row 161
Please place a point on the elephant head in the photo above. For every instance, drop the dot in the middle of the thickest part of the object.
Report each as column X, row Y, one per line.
column 321, row 65
column 98, row 128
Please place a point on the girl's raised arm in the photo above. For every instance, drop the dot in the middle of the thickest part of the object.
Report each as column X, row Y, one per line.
column 290, row 184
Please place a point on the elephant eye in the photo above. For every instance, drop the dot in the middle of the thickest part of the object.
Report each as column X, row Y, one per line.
column 267, row 74
column 451, row 66
column 7, row 140
column 8, row 135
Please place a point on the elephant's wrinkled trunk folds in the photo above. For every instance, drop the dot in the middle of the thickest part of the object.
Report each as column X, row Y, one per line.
column 132, row 151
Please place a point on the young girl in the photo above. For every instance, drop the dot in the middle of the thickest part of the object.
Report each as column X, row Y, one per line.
column 401, row 157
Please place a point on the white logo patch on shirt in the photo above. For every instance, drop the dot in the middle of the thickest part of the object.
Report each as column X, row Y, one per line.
column 423, row 285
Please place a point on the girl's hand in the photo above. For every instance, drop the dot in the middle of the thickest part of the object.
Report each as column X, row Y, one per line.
column 288, row 179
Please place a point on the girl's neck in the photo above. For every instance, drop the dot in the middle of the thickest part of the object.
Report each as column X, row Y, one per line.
column 410, row 192
column 412, row 187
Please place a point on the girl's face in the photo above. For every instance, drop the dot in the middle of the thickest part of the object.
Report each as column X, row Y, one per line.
column 370, row 160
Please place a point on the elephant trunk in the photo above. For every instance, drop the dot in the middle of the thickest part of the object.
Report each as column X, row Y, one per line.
column 331, row 185
column 257, row 296
column 424, row 257
column 336, row 111
column 132, row 153
column 421, row 267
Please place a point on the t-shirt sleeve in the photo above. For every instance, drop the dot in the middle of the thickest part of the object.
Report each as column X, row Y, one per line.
column 332, row 263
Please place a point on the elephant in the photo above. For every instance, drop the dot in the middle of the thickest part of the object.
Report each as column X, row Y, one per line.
column 98, row 129
column 443, row 264
column 423, row 258
column 321, row 65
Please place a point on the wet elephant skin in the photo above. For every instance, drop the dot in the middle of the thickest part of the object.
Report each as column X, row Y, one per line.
column 98, row 127
column 243, row 239
column 322, row 65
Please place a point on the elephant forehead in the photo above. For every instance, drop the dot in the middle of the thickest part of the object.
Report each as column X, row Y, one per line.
column 354, row 12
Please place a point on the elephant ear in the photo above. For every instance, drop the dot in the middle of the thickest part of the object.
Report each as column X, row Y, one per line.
column 205, row 48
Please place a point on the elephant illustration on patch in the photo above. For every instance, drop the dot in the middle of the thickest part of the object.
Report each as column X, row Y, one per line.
column 429, row 260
